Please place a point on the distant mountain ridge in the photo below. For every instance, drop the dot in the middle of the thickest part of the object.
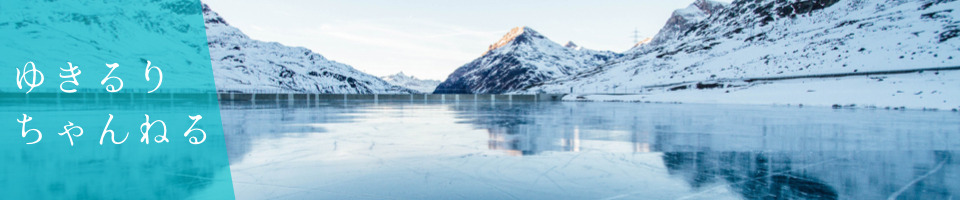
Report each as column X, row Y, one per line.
column 411, row 82
column 242, row 64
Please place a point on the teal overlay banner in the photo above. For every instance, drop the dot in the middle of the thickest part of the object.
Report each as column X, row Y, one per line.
column 110, row 99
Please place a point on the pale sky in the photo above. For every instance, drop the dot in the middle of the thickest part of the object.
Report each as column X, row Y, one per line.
column 431, row 38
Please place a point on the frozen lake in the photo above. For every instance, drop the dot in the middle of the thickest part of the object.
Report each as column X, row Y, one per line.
column 554, row 150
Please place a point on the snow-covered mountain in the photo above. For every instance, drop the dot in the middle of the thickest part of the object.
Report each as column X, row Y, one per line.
column 521, row 58
column 129, row 34
column 413, row 83
column 242, row 64
column 756, row 43
column 683, row 19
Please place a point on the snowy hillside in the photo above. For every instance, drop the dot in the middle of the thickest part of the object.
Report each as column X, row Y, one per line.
column 683, row 19
column 35, row 31
column 767, row 42
column 413, row 83
column 242, row 64
column 521, row 58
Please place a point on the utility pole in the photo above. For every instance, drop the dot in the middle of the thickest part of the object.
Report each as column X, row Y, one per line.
column 636, row 36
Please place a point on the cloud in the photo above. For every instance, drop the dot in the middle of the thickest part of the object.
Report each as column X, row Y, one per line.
column 385, row 46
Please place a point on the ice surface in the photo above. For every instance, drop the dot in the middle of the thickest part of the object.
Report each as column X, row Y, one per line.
column 482, row 150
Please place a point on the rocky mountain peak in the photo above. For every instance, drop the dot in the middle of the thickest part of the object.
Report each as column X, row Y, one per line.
column 571, row 45
column 517, row 35
column 521, row 59
column 685, row 18
column 709, row 7
column 211, row 17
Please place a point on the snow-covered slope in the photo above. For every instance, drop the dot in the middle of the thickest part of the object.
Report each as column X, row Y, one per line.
column 753, row 39
column 521, row 58
column 683, row 19
column 35, row 31
column 420, row 85
column 243, row 64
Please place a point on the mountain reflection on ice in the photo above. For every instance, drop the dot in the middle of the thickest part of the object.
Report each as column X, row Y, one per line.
column 486, row 150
